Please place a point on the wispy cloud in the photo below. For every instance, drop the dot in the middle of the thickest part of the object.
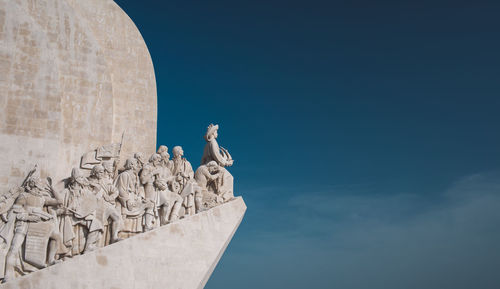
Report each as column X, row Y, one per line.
column 335, row 240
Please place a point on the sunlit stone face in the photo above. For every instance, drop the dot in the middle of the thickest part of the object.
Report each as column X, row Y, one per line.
column 75, row 75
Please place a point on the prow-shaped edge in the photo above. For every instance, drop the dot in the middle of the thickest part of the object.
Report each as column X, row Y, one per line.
column 178, row 255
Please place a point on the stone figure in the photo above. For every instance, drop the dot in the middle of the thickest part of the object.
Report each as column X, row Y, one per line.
column 165, row 157
column 212, row 152
column 6, row 216
column 106, row 194
column 168, row 184
column 111, row 169
column 190, row 191
column 209, row 177
column 8, row 219
column 147, row 178
column 141, row 159
column 157, row 192
column 81, row 227
column 40, row 226
column 182, row 167
column 132, row 201
column 34, row 227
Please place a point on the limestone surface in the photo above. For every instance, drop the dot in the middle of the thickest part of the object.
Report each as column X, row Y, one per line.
column 180, row 255
column 74, row 75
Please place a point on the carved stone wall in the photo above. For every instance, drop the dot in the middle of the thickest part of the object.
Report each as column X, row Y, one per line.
column 74, row 75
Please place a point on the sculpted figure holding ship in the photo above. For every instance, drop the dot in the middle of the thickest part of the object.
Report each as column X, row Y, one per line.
column 213, row 152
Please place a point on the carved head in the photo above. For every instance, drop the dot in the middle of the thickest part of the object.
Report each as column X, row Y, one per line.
column 178, row 151
column 132, row 164
column 213, row 167
column 33, row 182
column 140, row 158
column 77, row 177
column 155, row 159
column 163, row 152
column 211, row 132
column 98, row 172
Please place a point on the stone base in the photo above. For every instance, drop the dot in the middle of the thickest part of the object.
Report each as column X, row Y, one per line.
column 181, row 255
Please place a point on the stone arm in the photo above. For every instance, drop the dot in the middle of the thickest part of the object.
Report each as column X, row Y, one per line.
column 215, row 153
column 52, row 202
column 214, row 176
column 113, row 193
column 203, row 176
column 206, row 173
column 22, row 214
column 26, row 217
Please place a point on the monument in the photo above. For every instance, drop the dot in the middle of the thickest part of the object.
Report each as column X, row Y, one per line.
column 86, row 201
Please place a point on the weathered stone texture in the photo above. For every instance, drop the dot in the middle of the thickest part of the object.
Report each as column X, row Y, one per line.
column 73, row 75
column 181, row 255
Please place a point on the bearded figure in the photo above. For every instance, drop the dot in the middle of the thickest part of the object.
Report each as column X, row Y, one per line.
column 81, row 227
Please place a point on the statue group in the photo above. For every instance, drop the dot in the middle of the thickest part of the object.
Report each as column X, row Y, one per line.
column 101, row 203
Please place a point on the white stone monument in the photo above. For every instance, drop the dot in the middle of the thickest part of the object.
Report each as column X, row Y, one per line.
column 74, row 75
column 85, row 202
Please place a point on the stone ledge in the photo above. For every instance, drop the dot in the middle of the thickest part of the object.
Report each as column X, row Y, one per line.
column 181, row 255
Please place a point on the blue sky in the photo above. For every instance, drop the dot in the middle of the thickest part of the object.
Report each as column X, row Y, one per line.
column 365, row 134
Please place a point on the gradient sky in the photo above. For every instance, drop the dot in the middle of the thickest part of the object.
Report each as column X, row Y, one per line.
column 366, row 134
